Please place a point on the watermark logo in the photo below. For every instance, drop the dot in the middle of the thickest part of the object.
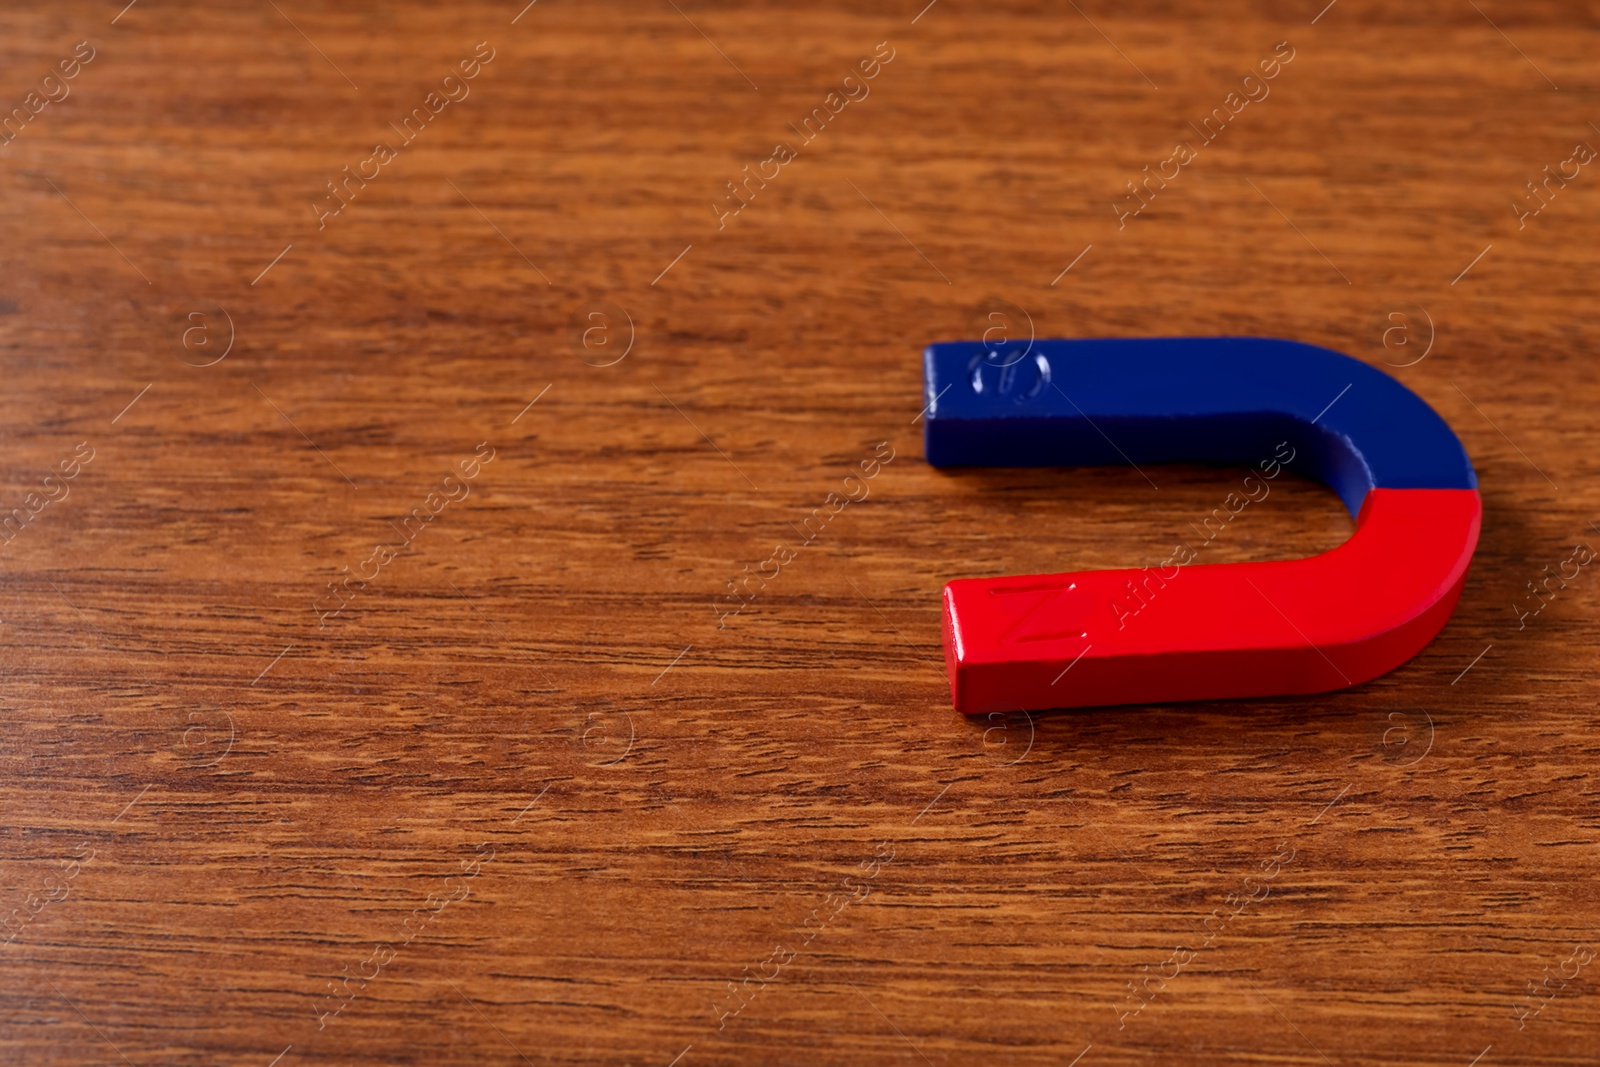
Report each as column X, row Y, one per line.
column 1005, row 330
column 605, row 736
column 208, row 737
column 1008, row 737
column 1402, row 334
column 601, row 334
column 205, row 336
column 1405, row 737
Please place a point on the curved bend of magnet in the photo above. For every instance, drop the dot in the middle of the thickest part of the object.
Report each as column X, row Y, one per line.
column 1178, row 630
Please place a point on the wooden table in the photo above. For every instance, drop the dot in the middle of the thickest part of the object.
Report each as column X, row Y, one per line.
column 523, row 790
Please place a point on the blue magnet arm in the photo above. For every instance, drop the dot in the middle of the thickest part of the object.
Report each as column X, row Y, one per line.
column 1215, row 400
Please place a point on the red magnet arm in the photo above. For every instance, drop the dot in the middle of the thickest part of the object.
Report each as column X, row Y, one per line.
column 1216, row 630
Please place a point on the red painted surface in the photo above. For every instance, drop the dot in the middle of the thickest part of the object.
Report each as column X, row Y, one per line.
column 1200, row 632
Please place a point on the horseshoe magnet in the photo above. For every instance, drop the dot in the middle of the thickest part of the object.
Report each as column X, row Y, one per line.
column 1177, row 630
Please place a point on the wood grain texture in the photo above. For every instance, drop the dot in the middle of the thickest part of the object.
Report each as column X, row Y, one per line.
column 525, row 799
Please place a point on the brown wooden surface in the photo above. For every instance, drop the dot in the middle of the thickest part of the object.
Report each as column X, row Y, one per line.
column 211, row 807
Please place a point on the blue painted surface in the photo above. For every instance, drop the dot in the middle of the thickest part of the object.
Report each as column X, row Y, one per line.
column 1216, row 400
